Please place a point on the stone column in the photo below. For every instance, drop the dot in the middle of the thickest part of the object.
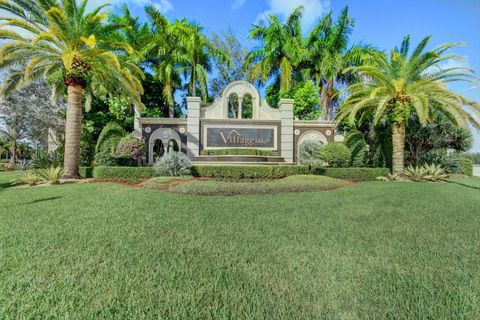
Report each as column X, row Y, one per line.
column 193, row 126
column 137, row 127
column 240, row 106
column 286, row 109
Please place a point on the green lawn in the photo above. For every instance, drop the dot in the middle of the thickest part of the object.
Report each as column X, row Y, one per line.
column 370, row 251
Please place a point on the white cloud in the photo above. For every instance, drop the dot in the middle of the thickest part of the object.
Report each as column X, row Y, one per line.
column 313, row 9
column 237, row 4
column 163, row 5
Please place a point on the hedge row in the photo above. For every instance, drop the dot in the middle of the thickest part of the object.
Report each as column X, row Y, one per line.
column 240, row 152
column 248, row 172
column 353, row 174
column 240, row 172
column 103, row 172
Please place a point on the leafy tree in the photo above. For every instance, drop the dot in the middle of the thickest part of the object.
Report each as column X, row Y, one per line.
column 31, row 108
column 306, row 102
column 73, row 48
column 329, row 55
column 280, row 51
column 227, row 73
column 403, row 84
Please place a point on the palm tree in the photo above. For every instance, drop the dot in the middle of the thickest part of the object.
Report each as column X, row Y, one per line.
column 280, row 52
column 73, row 48
column 397, row 86
column 12, row 135
column 329, row 55
column 165, row 54
column 198, row 52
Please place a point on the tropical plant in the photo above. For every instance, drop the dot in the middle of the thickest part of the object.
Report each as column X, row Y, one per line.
column 329, row 55
column 198, row 52
column 415, row 173
column 280, row 51
column 335, row 155
column 173, row 164
column 73, row 49
column 25, row 164
column 30, row 177
column 164, row 53
column 450, row 162
column 359, row 149
column 109, row 138
column 402, row 84
column 435, row 173
column 51, row 175
column 306, row 106
column 309, row 153
column 13, row 135
column 44, row 160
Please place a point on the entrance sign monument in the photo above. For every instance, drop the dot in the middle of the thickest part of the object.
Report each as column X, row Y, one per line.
column 238, row 120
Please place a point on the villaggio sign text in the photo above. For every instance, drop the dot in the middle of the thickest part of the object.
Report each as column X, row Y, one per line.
column 240, row 138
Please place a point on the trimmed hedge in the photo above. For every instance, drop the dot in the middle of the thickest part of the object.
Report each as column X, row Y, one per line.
column 282, row 171
column 103, row 172
column 86, row 172
column 466, row 166
column 248, row 172
column 240, row 152
column 245, row 172
column 353, row 174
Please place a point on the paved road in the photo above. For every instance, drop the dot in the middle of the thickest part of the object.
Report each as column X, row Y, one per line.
column 476, row 171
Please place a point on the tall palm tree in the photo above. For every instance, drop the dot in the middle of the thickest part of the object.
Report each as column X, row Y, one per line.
column 401, row 84
column 165, row 54
column 280, row 52
column 12, row 136
column 74, row 49
column 198, row 52
column 329, row 55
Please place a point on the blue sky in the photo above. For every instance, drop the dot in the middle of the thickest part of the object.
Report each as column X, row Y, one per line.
column 380, row 23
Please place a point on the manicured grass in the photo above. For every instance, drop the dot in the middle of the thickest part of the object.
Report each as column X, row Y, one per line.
column 302, row 183
column 373, row 250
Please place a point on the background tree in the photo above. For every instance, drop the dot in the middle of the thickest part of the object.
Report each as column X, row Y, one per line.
column 226, row 73
column 280, row 51
column 404, row 84
column 31, row 108
column 74, row 49
column 329, row 54
column 12, row 134
column 199, row 52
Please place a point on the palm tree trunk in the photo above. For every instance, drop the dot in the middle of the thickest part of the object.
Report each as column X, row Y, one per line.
column 73, row 128
column 13, row 158
column 398, row 142
column 171, row 111
column 325, row 103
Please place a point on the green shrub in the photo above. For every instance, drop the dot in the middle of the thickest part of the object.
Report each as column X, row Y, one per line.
column 247, row 171
column 310, row 153
column 336, row 155
column 355, row 142
column 240, row 152
column 353, row 174
column 173, row 164
column 109, row 138
column 466, row 166
column 52, row 175
column 44, row 160
column 110, row 159
column 31, row 178
column 86, row 172
column 103, row 172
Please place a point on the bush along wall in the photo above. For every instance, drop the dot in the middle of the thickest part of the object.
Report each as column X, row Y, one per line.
column 247, row 172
